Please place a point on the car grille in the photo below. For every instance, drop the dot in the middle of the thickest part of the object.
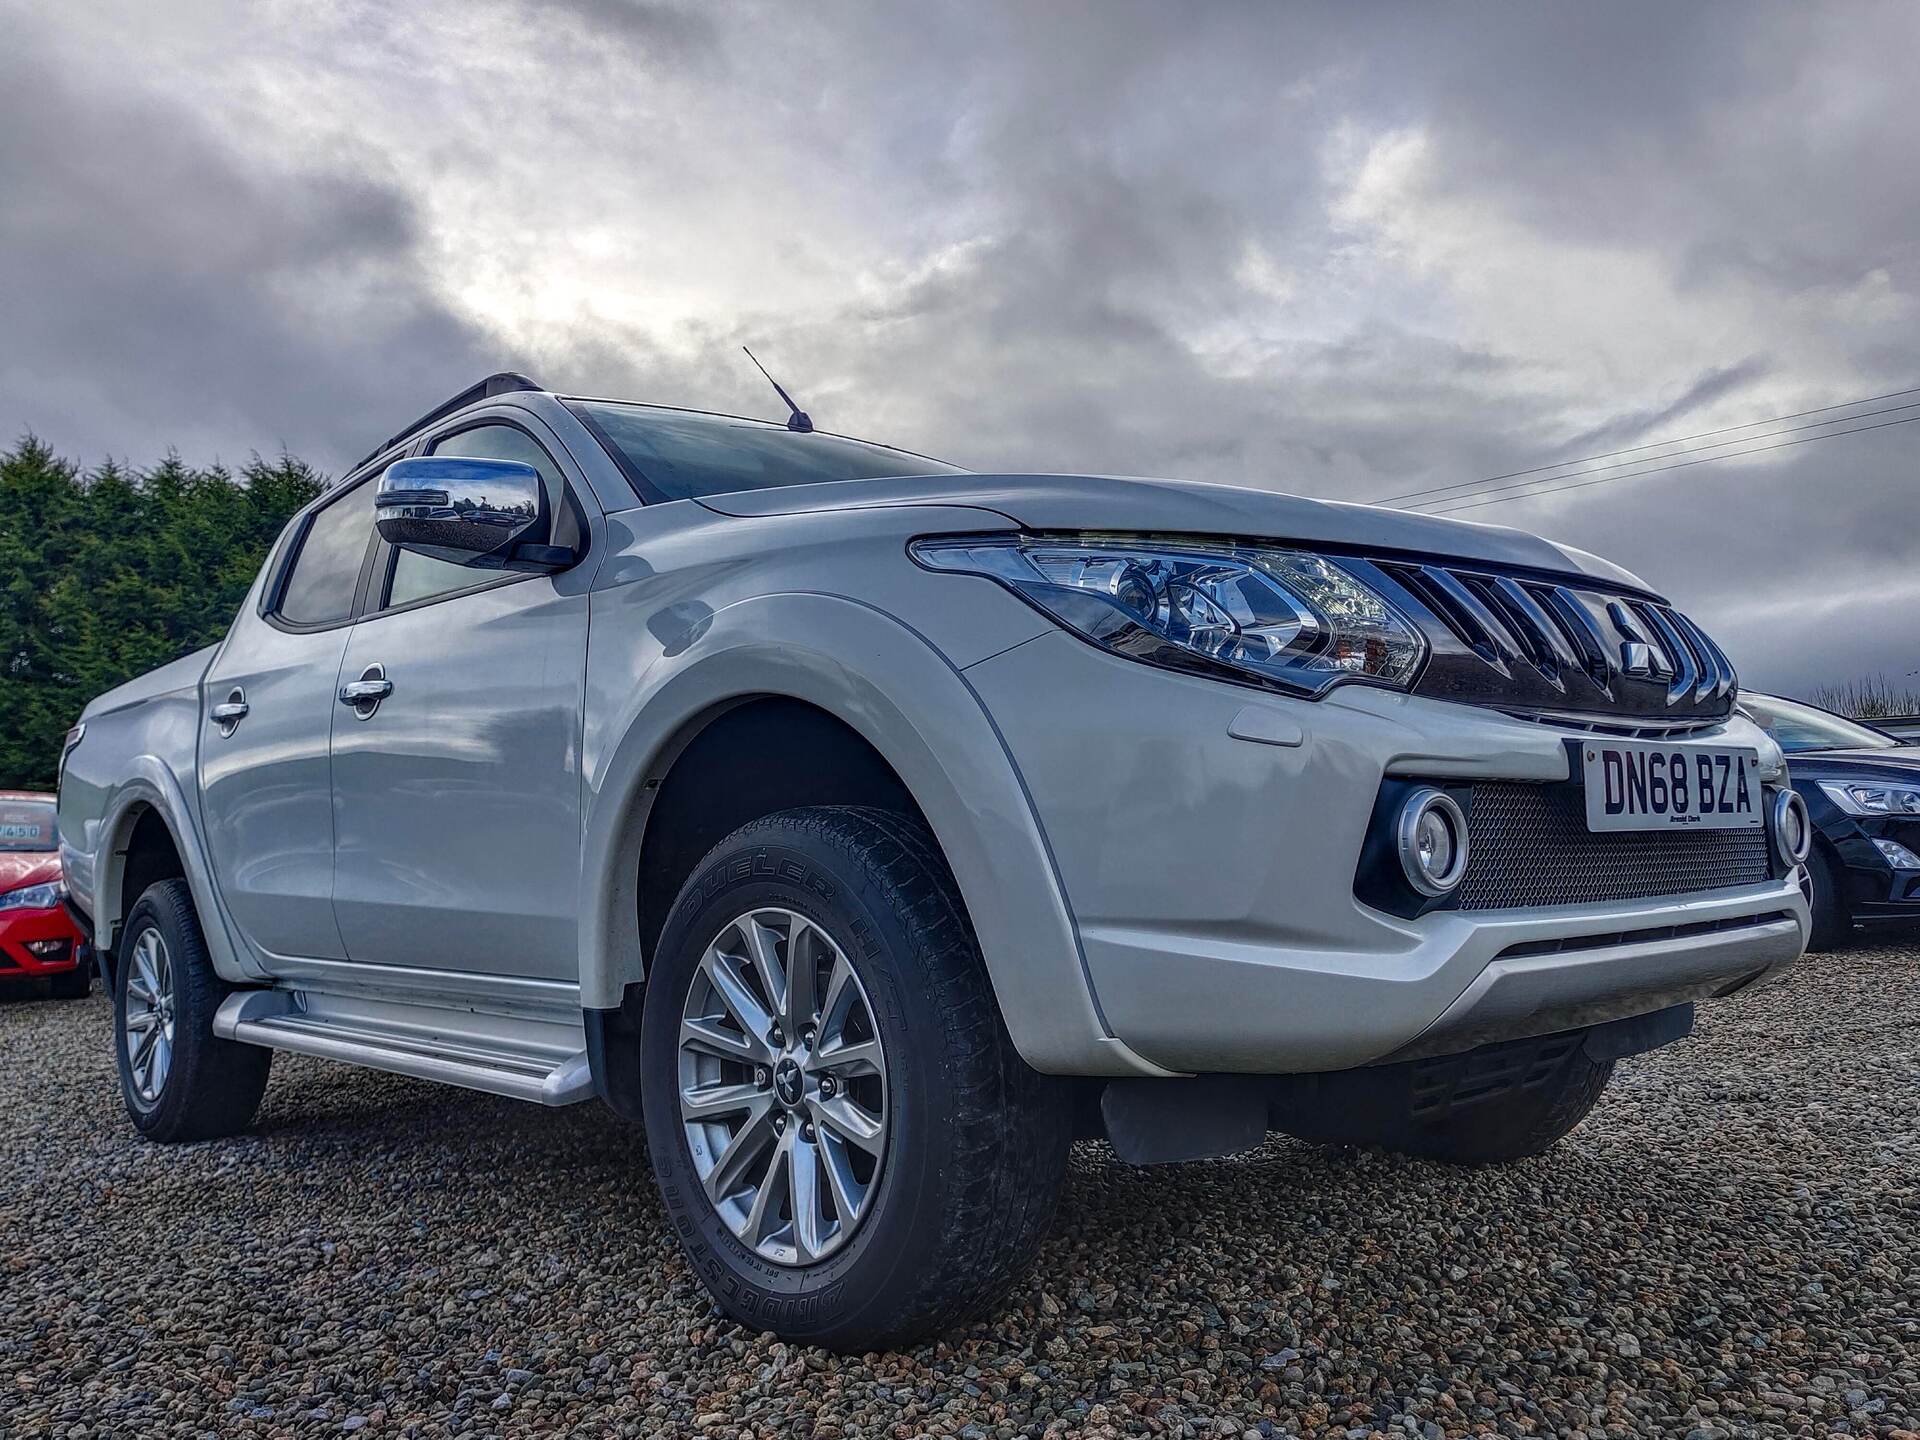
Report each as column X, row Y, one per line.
column 1546, row 646
column 1530, row 846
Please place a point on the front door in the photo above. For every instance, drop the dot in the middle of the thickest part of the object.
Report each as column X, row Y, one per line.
column 456, row 810
column 268, row 704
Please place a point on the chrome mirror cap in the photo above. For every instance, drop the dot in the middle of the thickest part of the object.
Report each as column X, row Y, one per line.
column 464, row 511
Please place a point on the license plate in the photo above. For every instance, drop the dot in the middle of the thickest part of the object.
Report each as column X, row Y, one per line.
column 1639, row 785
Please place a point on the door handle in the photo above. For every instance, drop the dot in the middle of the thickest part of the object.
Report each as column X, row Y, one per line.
column 366, row 693
column 363, row 692
column 230, row 712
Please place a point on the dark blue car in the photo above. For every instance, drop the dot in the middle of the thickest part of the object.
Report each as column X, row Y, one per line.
column 1862, row 788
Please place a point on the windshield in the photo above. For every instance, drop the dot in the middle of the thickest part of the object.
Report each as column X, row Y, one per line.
column 683, row 455
column 28, row 825
column 1800, row 728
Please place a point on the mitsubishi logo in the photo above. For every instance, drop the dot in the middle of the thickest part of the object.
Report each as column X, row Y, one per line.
column 1639, row 656
column 787, row 1083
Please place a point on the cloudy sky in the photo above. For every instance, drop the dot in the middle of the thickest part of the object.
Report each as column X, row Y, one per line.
column 1351, row 251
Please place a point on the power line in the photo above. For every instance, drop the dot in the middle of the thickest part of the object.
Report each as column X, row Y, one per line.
column 1656, row 444
column 1677, row 465
column 1619, row 464
column 1673, row 454
column 1526, row 486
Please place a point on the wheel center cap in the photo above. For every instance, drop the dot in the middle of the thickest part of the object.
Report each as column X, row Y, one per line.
column 787, row 1083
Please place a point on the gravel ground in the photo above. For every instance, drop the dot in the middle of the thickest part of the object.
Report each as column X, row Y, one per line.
column 1731, row 1246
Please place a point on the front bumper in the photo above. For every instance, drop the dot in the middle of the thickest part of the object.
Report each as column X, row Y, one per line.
column 1875, row 891
column 39, row 942
column 1207, row 837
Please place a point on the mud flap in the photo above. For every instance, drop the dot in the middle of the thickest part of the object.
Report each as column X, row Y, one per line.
column 1163, row 1122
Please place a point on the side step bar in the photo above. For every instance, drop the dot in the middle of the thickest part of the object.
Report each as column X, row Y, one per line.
column 543, row 1060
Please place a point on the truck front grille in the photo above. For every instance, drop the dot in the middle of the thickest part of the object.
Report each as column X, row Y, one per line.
column 1542, row 645
column 1531, row 846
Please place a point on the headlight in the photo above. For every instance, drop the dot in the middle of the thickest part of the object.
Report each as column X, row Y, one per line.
column 1858, row 797
column 34, row 897
column 1283, row 618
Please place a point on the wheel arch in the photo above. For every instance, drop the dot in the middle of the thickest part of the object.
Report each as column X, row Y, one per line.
column 742, row 760
column 916, row 714
column 144, row 839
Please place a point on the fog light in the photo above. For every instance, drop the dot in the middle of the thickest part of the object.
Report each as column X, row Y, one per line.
column 1897, row 855
column 1792, row 830
column 1432, row 838
column 48, row 949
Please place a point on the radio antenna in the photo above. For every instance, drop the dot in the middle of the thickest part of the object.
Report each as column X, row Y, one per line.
column 799, row 420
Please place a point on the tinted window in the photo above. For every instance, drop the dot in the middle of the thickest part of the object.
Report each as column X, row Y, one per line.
column 28, row 825
column 1798, row 728
column 685, row 455
column 327, row 569
column 420, row 577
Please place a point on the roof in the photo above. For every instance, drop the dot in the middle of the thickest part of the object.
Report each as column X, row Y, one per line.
column 506, row 382
column 510, row 382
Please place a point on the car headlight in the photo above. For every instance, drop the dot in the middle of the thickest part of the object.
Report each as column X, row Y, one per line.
column 1252, row 613
column 1859, row 797
column 33, row 897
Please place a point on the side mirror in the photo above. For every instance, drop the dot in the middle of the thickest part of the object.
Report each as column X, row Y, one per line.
column 488, row 514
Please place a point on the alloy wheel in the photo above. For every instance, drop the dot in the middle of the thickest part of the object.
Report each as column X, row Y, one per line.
column 783, row 1086
column 150, row 1016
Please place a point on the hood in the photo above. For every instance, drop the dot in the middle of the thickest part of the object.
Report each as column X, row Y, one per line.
column 1179, row 507
column 1901, row 765
column 21, row 868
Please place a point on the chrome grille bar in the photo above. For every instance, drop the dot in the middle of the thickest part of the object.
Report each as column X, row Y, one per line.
column 1494, row 635
column 1686, row 669
column 1541, row 624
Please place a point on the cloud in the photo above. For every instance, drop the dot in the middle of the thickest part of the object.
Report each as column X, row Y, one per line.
column 663, row 34
column 1316, row 249
column 1719, row 381
column 161, row 290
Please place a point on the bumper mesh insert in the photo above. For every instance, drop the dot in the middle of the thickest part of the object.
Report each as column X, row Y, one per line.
column 1531, row 846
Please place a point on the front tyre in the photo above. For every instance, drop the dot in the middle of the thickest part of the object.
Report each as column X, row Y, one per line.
column 179, row 1080
column 75, row 984
column 850, row 1149
column 1820, row 883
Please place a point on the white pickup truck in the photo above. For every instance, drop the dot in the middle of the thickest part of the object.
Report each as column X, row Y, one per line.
column 869, row 829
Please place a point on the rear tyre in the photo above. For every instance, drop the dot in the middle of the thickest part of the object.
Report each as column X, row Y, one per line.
column 179, row 1081
column 76, row 984
column 1820, row 883
column 850, row 1149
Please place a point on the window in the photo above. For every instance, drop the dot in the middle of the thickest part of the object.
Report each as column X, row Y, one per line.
column 419, row 577
column 684, row 455
column 1800, row 729
column 28, row 825
column 326, row 571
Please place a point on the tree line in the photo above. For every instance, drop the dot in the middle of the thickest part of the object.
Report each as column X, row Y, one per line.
column 1873, row 698
column 107, row 572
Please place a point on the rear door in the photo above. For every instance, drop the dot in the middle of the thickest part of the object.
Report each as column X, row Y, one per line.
column 266, row 792
column 456, row 810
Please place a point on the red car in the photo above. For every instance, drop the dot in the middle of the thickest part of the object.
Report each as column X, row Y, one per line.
column 37, row 936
